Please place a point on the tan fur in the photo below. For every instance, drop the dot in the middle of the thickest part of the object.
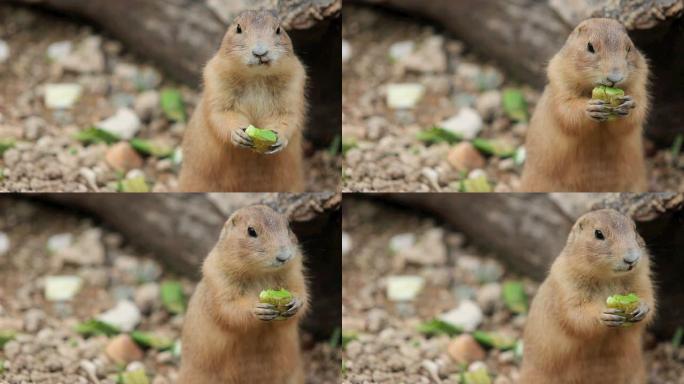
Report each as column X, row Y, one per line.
column 566, row 149
column 236, row 95
column 223, row 341
column 564, row 340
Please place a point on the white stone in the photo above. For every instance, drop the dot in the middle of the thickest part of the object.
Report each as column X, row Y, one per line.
column 60, row 241
column 62, row 96
column 62, row 288
column 404, row 96
column 125, row 124
column 346, row 51
column 467, row 316
column 4, row 51
column 404, row 288
column 401, row 242
column 401, row 49
column 59, row 50
column 467, row 123
column 86, row 58
column 4, row 243
column 125, row 316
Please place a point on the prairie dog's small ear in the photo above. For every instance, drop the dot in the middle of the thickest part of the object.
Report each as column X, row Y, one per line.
column 580, row 225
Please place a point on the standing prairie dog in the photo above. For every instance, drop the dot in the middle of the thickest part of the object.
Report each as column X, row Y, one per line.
column 572, row 146
column 229, row 337
column 571, row 337
column 254, row 79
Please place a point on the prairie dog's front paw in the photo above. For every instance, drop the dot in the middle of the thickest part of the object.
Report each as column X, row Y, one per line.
column 265, row 312
column 626, row 105
column 639, row 313
column 598, row 110
column 612, row 318
column 278, row 146
column 239, row 138
column 292, row 307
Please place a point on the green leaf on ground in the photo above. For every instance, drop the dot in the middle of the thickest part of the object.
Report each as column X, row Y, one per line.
column 676, row 147
column 172, row 105
column 494, row 148
column 147, row 147
column 348, row 337
column 677, row 338
column 134, row 185
column 514, row 105
column 438, row 135
column 96, row 327
column 494, row 340
column 150, row 340
column 173, row 297
column 133, row 377
column 6, row 336
column 436, row 327
column 94, row 135
column 514, row 296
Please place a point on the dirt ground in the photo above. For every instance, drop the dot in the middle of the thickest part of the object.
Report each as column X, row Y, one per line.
column 44, row 156
column 383, row 152
column 384, row 344
column 47, row 349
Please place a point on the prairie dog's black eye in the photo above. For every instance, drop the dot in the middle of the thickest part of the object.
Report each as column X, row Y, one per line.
column 239, row 29
column 599, row 235
column 590, row 48
column 278, row 31
column 251, row 232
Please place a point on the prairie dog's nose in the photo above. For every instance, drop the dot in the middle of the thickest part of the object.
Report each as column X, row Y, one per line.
column 632, row 256
column 284, row 255
column 260, row 50
column 615, row 77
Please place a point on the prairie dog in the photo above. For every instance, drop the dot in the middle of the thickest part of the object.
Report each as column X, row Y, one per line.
column 571, row 337
column 229, row 337
column 254, row 79
column 571, row 143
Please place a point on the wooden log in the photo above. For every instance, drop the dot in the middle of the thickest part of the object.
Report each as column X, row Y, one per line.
column 522, row 35
column 181, row 35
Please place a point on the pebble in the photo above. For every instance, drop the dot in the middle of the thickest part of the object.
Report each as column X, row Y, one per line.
column 33, row 319
column 428, row 58
column 404, row 288
column 430, row 249
column 404, row 96
column 4, row 51
column 123, row 350
column 59, row 50
column 489, row 103
column 62, row 288
column 122, row 157
column 467, row 124
column 465, row 157
column 62, row 96
column 58, row 242
column 86, row 250
column 147, row 296
column 86, row 58
column 464, row 349
column 488, row 296
column 401, row 49
column 467, row 316
column 125, row 316
column 125, row 124
column 4, row 243
column 146, row 104
column 400, row 242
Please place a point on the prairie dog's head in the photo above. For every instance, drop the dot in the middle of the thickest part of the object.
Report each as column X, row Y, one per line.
column 600, row 52
column 256, row 41
column 605, row 244
column 257, row 239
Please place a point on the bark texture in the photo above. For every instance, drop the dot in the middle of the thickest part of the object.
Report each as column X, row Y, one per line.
column 522, row 35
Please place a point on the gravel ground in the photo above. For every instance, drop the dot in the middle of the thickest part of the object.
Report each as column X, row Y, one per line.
column 37, row 50
column 382, row 151
column 47, row 349
column 383, row 242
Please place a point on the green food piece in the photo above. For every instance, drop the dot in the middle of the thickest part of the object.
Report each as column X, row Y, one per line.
column 514, row 296
column 436, row 327
column 624, row 303
column 94, row 135
column 478, row 376
column 494, row 148
column 263, row 138
column 438, row 135
column 609, row 95
column 6, row 144
column 96, row 327
column 479, row 184
column 133, row 377
column 6, row 336
column 172, row 105
column 173, row 297
column 147, row 147
column 514, row 105
column 279, row 298
column 494, row 340
column 348, row 337
column 150, row 340
column 677, row 338
column 134, row 185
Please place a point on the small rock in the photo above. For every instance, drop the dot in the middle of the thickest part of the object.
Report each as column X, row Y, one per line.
column 125, row 316
column 401, row 49
column 464, row 157
column 122, row 157
column 464, row 349
column 399, row 243
column 489, row 103
column 428, row 58
column 125, row 124
column 62, row 96
column 33, row 126
column 146, row 104
column 58, row 242
column 165, row 357
column 430, row 249
column 404, row 96
column 123, row 350
column 466, row 124
column 87, row 58
column 376, row 319
column 12, row 349
column 346, row 51
column 404, row 288
column 146, row 296
column 4, row 51
column 33, row 319
column 488, row 296
column 346, row 243
column 87, row 250
column 62, row 288
column 147, row 79
column 4, row 243
column 467, row 315
column 59, row 50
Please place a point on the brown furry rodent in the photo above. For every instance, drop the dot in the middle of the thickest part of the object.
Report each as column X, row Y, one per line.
column 228, row 336
column 254, row 79
column 571, row 145
column 571, row 337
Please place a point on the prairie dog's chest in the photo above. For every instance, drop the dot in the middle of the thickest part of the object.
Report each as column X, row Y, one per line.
column 258, row 100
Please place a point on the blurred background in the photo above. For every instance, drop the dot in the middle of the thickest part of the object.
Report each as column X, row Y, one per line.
column 95, row 96
column 436, row 287
column 422, row 75
column 132, row 262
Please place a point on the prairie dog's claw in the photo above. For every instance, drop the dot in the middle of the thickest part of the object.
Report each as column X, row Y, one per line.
column 265, row 312
column 240, row 139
